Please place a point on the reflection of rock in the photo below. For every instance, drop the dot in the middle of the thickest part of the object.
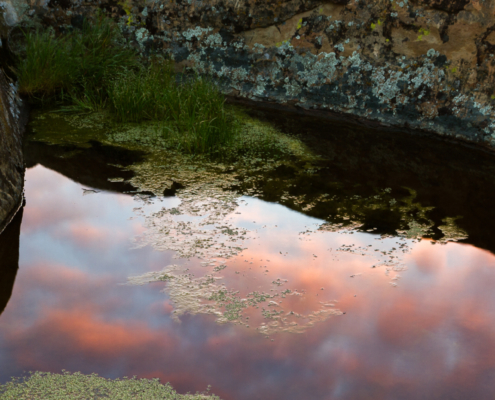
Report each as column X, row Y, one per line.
column 403, row 184
column 9, row 258
column 94, row 166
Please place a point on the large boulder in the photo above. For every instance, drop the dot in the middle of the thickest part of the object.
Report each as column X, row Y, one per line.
column 425, row 64
column 11, row 161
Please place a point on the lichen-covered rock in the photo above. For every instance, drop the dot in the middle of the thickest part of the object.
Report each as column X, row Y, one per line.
column 424, row 64
column 11, row 161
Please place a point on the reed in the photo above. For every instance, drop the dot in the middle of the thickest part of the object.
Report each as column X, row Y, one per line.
column 74, row 66
column 201, row 121
column 45, row 67
column 148, row 93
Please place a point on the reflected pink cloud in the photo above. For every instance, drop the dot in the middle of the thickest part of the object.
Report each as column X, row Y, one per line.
column 87, row 235
column 432, row 335
column 46, row 188
column 58, row 279
column 406, row 321
column 429, row 262
column 162, row 308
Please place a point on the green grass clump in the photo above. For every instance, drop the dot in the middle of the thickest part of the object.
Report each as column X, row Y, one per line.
column 45, row 69
column 48, row 386
column 76, row 66
column 147, row 93
column 201, row 121
column 99, row 58
column 195, row 120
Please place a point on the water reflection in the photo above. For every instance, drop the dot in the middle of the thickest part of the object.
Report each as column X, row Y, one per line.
column 455, row 180
column 9, row 258
column 431, row 336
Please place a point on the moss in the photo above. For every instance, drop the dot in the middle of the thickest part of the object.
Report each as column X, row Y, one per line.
column 49, row 386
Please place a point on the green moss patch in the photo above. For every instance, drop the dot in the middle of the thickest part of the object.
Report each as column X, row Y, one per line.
column 48, row 386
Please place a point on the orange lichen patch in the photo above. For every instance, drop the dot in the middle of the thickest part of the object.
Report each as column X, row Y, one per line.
column 272, row 35
column 461, row 44
column 491, row 38
column 429, row 109
column 326, row 46
column 350, row 48
column 414, row 43
column 305, row 42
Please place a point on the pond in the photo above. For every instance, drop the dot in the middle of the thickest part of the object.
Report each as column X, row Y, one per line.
column 360, row 267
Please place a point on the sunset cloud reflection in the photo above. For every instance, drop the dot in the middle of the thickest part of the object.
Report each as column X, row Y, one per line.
column 430, row 336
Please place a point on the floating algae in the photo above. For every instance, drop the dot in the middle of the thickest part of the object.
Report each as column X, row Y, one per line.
column 204, row 295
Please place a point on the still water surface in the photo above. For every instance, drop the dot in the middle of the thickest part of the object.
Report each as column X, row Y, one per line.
column 350, row 314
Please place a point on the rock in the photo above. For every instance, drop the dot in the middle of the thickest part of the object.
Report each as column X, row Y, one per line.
column 11, row 160
column 422, row 64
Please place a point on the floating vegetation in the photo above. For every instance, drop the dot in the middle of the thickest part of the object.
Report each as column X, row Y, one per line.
column 204, row 295
column 48, row 386
column 451, row 232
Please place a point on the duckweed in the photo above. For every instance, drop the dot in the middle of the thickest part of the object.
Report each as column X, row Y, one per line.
column 50, row 386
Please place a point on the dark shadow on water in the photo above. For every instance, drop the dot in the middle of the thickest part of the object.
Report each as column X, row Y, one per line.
column 455, row 178
column 9, row 258
column 91, row 166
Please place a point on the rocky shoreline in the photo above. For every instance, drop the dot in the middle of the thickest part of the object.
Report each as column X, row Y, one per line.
column 423, row 64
